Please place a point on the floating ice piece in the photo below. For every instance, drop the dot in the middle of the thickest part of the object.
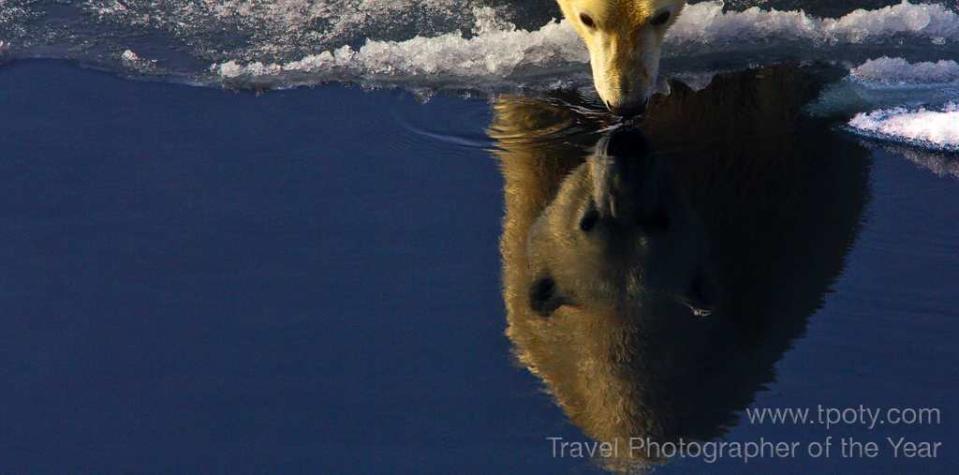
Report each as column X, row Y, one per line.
column 932, row 129
column 888, row 71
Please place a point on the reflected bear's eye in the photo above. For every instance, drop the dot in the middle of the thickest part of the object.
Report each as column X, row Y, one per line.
column 589, row 219
column 660, row 19
column 544, row 297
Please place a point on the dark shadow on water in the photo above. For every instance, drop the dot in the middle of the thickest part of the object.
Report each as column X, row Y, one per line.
column 654, row 275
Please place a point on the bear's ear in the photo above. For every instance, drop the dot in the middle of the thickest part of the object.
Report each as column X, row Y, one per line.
column 545, row 297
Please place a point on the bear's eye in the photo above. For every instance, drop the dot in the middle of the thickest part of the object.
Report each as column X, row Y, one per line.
column 660, row 19
column 587, row 20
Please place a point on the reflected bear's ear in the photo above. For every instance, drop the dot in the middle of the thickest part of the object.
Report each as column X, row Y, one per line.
column 545, row 297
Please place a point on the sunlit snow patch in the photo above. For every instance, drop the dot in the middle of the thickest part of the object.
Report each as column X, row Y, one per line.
column 886, row 71
column 497, row 50
column 932, row 129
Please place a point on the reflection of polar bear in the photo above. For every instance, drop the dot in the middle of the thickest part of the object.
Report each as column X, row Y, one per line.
column 652, row 280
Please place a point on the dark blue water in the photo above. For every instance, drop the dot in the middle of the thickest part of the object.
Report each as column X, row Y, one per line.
column 201, row 280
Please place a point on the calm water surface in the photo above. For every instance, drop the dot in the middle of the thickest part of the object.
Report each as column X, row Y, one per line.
column 312, row 280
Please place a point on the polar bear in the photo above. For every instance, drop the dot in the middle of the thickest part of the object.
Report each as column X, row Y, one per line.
column 624, row 39
column 653, row 277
